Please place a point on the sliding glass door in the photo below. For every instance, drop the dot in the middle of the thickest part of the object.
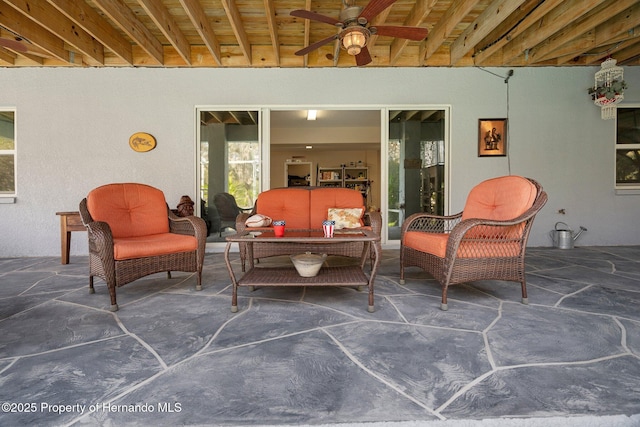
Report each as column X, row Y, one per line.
column 416, row 159
column 229, row 167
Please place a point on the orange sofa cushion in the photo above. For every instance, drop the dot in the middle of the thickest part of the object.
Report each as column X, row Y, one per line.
column 289, row 204
column 306, row 208
column 324, row 198
column 153, row 245
column 131, row 210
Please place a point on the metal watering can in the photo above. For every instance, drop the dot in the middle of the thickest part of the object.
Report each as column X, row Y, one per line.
column 564, row 237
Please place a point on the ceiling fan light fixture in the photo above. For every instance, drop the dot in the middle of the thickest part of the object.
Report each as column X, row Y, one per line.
column 355, row 39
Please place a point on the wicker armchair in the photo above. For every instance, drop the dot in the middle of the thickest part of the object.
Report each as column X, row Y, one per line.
column 133, row 233
column 487, row 240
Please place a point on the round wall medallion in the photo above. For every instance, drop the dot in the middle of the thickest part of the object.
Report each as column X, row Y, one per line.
column 142, row 142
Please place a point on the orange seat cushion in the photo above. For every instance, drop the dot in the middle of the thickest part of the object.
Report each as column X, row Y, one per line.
column 436, row 244
column 152, row 245
column 131, row 210
column 289, row 204
column 431, row 243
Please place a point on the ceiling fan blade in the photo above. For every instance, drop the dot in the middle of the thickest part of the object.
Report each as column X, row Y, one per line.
column 307, row 14
column 411, row 33
column 363, row 58
column 13, row 45
column 374, row 8
column 316, row 45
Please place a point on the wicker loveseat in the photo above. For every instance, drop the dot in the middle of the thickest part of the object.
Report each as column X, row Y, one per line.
column 132, row 233
column 306, row 208
column 487, row 240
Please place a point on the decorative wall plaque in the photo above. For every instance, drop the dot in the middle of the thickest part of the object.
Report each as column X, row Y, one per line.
column 142, row 142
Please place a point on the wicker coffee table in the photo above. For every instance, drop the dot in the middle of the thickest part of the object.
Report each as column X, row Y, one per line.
column 301, row 241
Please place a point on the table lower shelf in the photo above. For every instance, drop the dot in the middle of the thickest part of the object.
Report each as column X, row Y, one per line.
column 288, row 276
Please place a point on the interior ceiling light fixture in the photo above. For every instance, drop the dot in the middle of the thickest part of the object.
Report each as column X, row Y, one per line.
column 312, row 114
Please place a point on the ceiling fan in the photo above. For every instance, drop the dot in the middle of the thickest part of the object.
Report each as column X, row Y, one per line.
column 354, row 31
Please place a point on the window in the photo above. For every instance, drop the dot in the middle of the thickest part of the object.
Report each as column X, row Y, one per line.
column 628, row 147
column 7, row 153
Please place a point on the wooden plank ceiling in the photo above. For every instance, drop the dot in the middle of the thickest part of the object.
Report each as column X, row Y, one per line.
column 262, row 33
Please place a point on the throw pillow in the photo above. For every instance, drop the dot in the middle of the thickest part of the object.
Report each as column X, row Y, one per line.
column 258, row 220
column 346, row 217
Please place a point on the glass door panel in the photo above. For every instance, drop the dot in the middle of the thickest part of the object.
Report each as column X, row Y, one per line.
column 229, row 174
column 416, row 165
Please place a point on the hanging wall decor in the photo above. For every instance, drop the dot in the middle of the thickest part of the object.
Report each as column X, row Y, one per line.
column 142, row 142
column 609, row 88
column 492, row 137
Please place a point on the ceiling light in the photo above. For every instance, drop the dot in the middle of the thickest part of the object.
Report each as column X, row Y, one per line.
column 309, row 147
column 311, row 114
column 355, row 39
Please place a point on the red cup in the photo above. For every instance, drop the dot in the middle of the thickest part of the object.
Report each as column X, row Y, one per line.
column 278, row 228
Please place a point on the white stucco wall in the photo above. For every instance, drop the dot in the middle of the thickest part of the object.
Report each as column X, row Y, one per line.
column 73, row 127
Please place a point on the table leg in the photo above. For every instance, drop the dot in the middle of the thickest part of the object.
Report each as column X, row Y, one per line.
column 65, row 241
column 377, row 250
column 234, row 295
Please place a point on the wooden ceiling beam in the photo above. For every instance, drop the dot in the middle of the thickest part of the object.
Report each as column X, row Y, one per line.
column 124, row 17
column 88, row 19
column 445, row 26
column 484, row 56
column 562, row 16
column 40, row 37
column 235, row 19
column 618, row 29
column 48, row 17
column 168, row 26
column 270, row 13
column 557, row 45
column 7, row 57
column 200, row 21
column 421, row 9
column 623, row 41
column 484, row 24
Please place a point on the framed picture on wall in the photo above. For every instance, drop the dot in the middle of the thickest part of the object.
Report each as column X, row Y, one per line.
column 492, row 137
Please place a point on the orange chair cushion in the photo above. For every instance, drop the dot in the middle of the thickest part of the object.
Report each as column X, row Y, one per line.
column 324, row 198
column 152, row 245
column 431, row 243
column 289, row 204
column 131, row 210
column 436, row 244
column 502, row 198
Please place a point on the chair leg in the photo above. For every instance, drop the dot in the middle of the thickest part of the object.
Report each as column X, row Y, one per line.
column 91, row 289
column 168, row 275
column 112, row 294
column 199, row 284
column 443, row 305
column 523, row 285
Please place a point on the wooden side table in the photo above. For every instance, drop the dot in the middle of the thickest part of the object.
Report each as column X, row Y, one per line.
column 69, row 221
